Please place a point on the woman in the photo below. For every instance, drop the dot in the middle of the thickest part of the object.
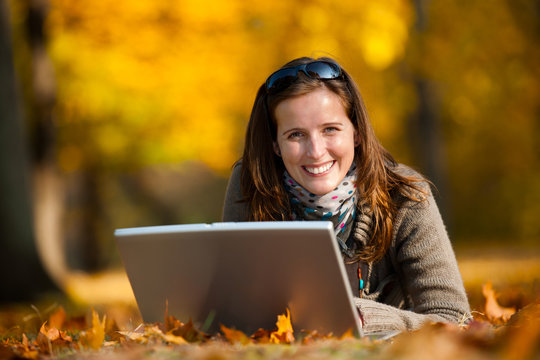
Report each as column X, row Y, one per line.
column 311, row 154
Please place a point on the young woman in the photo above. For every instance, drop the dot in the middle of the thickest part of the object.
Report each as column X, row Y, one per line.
column 311, row 154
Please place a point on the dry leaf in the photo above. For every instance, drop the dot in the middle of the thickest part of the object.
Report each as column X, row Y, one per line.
column 186, row 331
column 173, row 339
column 49, row 338
column 347, row 334
column 284, row 332
column 235, row 336
column 133, row 336
column 261, row 336
column 25, row 351
column 494, row 311
column 153, row 333
column 57, row 319
column 95, row 336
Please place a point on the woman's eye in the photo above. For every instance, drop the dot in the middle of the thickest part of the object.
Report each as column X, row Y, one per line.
column 330, row 129
column 295, row 135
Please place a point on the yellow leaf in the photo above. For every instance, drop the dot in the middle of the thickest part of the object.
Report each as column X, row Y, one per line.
column 235, row 336
column 173, row 339
column 284, row 332
column 95, row 336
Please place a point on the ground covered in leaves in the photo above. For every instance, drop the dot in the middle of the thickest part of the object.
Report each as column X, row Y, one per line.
column 509, row 332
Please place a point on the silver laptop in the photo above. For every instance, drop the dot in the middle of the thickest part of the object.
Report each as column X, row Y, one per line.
column 241, row 275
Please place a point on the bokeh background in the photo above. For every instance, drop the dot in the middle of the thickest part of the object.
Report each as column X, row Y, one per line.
column 119, row 113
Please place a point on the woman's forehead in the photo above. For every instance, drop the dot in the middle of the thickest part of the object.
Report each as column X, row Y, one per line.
column 314, row 108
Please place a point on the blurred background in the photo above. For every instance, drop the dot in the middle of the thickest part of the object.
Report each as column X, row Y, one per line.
column 118, row 113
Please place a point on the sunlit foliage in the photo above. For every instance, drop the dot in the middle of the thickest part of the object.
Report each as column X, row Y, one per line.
column 165, row 81
column 156, row 81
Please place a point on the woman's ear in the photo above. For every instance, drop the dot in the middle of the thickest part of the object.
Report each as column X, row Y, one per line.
column 276, row 149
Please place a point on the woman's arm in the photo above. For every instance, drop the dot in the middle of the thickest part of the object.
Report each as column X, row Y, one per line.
column 233, row 208
column 428, row 272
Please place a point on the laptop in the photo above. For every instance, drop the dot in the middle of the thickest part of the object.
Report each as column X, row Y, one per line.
column 241, row 275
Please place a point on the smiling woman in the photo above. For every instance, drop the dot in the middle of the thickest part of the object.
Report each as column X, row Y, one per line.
column 311, row 154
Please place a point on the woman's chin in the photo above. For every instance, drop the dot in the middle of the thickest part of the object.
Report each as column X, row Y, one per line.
column 319, row 189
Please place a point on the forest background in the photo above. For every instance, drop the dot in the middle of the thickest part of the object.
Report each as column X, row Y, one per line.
column 131, row 113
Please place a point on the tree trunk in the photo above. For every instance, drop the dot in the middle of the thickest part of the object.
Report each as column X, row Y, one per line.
column 22, row 273
column 425, row 130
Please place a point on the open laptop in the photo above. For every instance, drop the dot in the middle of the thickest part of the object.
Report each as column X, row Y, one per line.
column 241, row 275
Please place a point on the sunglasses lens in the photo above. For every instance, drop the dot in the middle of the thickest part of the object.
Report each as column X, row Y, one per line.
column 317, row 70
column 322, row 70
column 282, row 78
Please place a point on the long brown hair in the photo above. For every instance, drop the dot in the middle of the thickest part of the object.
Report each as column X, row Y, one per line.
column 377, row 177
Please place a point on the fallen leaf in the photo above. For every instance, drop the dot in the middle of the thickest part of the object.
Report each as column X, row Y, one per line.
column 95, row 336
column 57, row 318
column 284, row 332
column 173, row 339
column 261, row 336
column 134, row 336
column 153, row 333
column 23, row 350
column 49, row 338
column 347, row 334
column 186, row 331
column 494, row 312
column 235, row 336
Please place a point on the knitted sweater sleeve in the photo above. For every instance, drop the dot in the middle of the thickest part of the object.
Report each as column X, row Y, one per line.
column 428, row 271
column 234, row 209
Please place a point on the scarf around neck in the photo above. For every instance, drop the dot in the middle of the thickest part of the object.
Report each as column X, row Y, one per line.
column 337, row 206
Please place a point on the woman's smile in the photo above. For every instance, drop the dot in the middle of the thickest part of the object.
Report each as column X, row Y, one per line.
column 319, row 170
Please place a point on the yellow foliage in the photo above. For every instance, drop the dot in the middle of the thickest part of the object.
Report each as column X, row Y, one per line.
column 167, row 81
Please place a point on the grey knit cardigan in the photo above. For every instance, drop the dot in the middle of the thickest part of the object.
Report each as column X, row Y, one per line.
column 418, row 279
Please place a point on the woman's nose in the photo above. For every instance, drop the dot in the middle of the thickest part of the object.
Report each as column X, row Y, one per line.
column 316, row 147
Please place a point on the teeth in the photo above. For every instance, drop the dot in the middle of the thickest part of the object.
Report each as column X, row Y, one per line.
column 319, row 169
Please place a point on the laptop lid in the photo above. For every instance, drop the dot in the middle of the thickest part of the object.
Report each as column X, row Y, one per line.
column 241, row 275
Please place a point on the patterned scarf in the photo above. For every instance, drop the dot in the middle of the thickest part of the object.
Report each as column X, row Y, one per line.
column 338, row 206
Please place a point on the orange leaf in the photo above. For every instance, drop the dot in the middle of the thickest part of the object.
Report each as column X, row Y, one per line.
column 284, row 332
column 347, row 335
column 27, row 352
column 95, row 336
column 235, row 336
column 494, row 311
column 48, row 337
column 57, row 318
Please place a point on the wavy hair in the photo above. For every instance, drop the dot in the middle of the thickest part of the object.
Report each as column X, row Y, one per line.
column 377, row 178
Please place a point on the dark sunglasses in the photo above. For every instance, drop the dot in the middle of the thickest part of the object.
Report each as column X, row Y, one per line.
column 317, row 70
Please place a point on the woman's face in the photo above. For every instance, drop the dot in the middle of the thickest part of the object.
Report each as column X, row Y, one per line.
column 315, row 139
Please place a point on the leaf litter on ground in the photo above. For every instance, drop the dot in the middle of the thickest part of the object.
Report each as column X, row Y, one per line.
column 500, row 331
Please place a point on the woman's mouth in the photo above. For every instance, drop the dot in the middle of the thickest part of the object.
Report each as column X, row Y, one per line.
column 319, row 170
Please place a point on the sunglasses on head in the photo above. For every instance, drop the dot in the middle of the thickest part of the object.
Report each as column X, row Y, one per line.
column 317, row 70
